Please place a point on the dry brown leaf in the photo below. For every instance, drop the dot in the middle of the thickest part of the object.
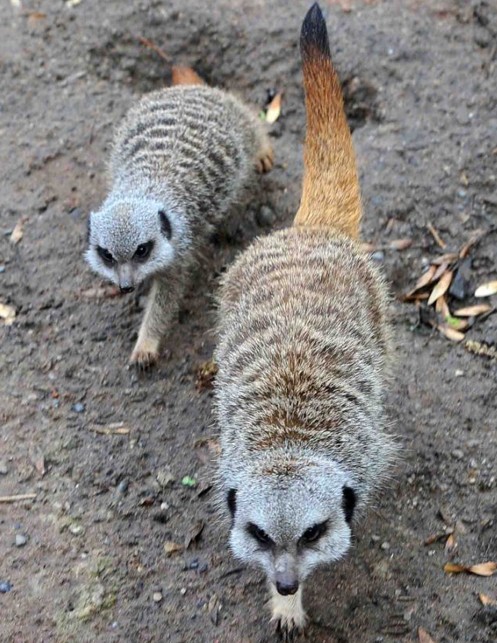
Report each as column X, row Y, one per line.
column 434, row 233
column 442, row 287
column 451, row 333
column 476, row 236
column 435, row 538
column 483, row 569
column 273, row 110
column 451, row 544
column 171, row 548
column 487, row 600
column 485, row 290
column 473, row 311
column 7, row 314
column 449, row 257
column 185, row 76
column 400, row 244
column 18, row 231
column 423, row 636
column 481, row 348
column 442, row 308
column 194, row 534
column 425, row 278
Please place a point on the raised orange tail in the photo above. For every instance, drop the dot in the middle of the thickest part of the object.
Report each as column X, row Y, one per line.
column 330, row 192
column 185, row 76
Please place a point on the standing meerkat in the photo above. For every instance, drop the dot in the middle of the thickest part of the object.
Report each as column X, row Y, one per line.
column 302, row 354
column 180, row 160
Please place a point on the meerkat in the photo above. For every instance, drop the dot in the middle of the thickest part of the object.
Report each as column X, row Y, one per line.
column 303, row 352
column 181, row 158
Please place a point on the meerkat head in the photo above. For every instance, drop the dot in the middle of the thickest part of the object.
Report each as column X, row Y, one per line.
column 289, row 517
column 131, row 239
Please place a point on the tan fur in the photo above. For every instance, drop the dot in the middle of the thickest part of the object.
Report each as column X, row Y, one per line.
column 330, row 192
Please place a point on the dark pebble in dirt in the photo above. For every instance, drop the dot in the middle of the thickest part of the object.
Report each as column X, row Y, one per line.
column 79, row 407
column 460, row 286
column 5, row 586
column 265, row 216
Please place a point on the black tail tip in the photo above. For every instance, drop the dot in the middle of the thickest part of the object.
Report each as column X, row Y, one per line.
column 314, row 33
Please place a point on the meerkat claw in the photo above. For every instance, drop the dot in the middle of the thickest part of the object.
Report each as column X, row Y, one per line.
column 264, row 161
column 143, row 358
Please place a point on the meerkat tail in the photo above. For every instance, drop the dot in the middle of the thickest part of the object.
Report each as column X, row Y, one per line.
column 181, row 75
column 330, row 192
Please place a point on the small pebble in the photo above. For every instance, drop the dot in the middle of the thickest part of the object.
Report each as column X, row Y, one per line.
column 2, row 269
column 157, row 597
column 79, row 407
column 21, row 540
column 182, row 591
column 379, row 256
column 459, row 373
column 122, row 487
column 458, row 454
column 76, row 530
column 385, row 546
column 5, row 586
column 3, row 468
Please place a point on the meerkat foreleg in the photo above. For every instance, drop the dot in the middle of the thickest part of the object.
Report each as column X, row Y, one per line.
column 162, row 305
column 288, row 613
column 265, row 157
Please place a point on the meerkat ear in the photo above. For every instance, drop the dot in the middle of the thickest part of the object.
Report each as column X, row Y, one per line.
column 165, row 224
column 231, row 500
column 349, row 500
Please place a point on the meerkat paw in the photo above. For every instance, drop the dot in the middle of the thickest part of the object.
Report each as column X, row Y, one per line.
column 145, row 354
column 265, row 160
column 288, row 614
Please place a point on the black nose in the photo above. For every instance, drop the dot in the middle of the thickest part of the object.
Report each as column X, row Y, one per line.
column 127, row 289
column 285, row 588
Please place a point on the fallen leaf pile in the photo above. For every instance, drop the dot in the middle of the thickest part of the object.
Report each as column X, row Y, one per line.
column 445, row 277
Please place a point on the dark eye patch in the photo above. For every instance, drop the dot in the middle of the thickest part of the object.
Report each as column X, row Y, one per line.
column 260, row 535
column 165, row 225
column 349, row 500
column 106, row 256
column 314, row 533
column 143, row 251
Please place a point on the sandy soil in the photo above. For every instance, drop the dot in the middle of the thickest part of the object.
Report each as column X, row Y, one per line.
column 421, row 87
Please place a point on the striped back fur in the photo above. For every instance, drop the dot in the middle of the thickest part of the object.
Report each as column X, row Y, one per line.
column 198, row 141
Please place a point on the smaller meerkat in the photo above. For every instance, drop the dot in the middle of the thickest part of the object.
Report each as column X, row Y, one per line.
column 181, row 158
column 302, row 354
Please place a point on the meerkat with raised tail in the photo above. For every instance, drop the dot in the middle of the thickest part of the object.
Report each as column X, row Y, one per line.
column 303, row 349
column 180, row 160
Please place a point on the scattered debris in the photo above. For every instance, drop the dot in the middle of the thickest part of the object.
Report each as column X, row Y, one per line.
column 18, row 231
column 7, row 314
column 473, row 311
column 487, row 600
column 441, row 287
column 151, row 45
column 181, row 75
column 21, row 540
column 187, row 481
column 486, row 290
column 115, row 428
column 101, row 292
column 438, row 239
column 481, row 569
column 194, row 534
column 423, row 636
column 5, row 586
column 171, row 548
column 395, row 244
column 273, row 110
column 165, row 478
column 18, row 498
column 206, row 373
column 481, row 348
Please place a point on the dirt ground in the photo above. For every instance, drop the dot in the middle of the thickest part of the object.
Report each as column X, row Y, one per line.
column 89, row 563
